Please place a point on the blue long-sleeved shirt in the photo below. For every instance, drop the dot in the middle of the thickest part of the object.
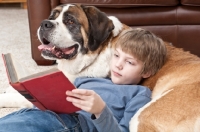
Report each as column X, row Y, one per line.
column 122, row 102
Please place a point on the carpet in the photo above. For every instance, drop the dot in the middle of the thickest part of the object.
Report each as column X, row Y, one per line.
column 15, row 39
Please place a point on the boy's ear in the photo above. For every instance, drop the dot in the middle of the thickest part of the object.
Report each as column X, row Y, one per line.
column 146, row 75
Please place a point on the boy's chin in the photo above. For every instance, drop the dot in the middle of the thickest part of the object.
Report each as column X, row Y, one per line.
column 116, row 81
column 123, row 82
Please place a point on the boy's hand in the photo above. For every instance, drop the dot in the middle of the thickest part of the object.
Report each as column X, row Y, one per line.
column 86, row 100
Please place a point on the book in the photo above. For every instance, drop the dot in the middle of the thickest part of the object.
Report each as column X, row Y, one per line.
column 46, row 90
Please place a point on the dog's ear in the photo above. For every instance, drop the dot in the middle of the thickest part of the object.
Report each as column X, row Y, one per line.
column 100, row 26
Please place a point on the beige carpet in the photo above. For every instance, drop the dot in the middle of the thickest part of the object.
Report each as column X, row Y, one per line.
column 15, row 39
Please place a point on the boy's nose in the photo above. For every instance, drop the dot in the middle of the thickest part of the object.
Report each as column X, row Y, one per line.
column 119, row 65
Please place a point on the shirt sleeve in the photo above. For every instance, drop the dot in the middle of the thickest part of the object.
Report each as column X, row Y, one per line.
column 107, row 122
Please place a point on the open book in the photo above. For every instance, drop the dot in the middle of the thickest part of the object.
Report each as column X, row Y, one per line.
column 46, row 90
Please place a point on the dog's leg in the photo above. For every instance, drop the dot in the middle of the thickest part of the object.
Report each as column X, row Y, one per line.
column 14, row 100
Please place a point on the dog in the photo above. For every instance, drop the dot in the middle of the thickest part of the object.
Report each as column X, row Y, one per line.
column 80, row 38
column 175, row 105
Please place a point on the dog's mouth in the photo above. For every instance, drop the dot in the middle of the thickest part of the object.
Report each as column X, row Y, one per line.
column 50, row 50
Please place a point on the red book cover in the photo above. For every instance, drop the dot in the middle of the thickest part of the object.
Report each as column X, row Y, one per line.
column 20, row 88
column 46, row 90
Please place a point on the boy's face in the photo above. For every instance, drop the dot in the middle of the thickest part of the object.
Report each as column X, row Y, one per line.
column 125, row 69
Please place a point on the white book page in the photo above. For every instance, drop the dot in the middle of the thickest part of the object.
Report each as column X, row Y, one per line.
column 20, row 70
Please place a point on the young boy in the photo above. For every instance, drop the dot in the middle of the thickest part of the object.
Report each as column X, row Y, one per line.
column 107, row 104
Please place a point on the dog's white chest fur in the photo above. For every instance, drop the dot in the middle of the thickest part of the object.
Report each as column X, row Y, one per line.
column 99, row 66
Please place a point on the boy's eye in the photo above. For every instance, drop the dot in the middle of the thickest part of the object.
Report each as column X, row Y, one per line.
column 116, row 55
column 129, row 62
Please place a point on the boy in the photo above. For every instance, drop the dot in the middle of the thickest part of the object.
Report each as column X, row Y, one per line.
column 107, row 104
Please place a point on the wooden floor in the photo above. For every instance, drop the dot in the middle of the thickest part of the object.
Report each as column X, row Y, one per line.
column 13, row 3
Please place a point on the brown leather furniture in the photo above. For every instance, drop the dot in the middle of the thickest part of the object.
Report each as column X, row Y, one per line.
column 176, row 21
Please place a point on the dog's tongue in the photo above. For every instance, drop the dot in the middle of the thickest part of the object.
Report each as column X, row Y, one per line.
column 54, row 50
column 68, row 50
column 45, row 47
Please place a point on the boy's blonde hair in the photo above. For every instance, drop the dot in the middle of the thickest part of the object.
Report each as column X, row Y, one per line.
column 144, row 46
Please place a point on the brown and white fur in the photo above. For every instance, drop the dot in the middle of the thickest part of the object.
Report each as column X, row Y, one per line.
column 175, row 105
column 88, row 32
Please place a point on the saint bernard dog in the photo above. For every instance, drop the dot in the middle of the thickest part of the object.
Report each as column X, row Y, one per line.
column 81, row 37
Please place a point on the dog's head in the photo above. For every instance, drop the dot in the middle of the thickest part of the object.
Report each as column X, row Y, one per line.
column 73, row 29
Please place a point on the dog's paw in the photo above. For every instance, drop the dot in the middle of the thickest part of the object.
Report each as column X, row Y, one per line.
column 14, row 100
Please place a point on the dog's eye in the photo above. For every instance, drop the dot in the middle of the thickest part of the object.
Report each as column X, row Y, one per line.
column 70, row 21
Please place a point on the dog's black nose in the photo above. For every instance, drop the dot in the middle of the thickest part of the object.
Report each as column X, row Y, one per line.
column 47, row 25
